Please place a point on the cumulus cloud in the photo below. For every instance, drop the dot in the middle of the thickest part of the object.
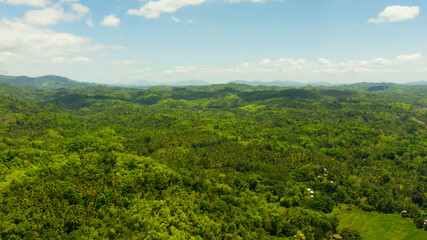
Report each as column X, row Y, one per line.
column 414, row 58
column 33, row 3
column 90, row 23
column 21, row 40
column 396, row 14
column 153, row 9
column 322, row 65
column 175, row 19
column 111, row 21
column 123, row 62
column 399, row 69
column 74, row 60
column 56, row 14
column 238, row 1
column 45, row 17
column 80, row 9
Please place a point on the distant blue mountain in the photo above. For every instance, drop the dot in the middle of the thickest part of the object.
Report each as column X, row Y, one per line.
column 282, row 83
column 418, row 83
column 145, row 84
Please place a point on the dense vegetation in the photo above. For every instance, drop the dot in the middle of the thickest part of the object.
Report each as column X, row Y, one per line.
column 374, row 225
column 217, row 162
column 44, row 82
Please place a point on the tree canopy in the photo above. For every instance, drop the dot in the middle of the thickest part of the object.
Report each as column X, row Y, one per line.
column 214, row 162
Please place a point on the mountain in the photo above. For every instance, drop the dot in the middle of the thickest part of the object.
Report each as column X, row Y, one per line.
column 225, row 161
column 371, row 86
column 49, row 81
column 191, row 83
column 274, row 83
column 11, row 105
column 418, row 83
column 147, row 84
column 282, row 83
column 25, row 93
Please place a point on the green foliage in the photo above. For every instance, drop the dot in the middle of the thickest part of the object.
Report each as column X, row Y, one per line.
column 217, row 162
column 49, row 81
column 350, row 234
column 374, row 225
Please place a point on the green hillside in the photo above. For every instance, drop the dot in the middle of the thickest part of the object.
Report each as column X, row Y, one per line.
column 44, row 82
column 10, row 105
column 24, row 93
column 211, row 162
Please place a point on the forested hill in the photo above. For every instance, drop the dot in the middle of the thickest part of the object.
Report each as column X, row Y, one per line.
column 44, row 82
column 208, row 162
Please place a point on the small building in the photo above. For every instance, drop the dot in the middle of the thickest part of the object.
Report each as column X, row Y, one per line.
column 336, row 236
column 404, row 213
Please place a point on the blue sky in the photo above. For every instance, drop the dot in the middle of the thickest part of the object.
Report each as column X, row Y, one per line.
column 118, row 41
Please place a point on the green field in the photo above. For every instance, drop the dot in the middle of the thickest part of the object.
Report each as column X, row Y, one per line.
column 374, row 225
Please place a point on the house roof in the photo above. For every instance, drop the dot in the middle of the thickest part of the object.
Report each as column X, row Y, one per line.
column 336, row 236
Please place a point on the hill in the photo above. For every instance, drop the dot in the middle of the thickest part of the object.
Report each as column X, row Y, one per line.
column 10, row 106
column 419, row 83
column 44, row 82
column 24, row 93
column 282, row 83
column 227, row 161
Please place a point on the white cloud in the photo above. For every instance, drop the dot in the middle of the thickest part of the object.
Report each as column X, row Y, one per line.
column 90, row 23
column 396, row 14
column 80, row 60
column 153, row 9
column 304, row 66
column 45, row 17
column 190, row 21
column 238, row 1
column 54, row 15
column 402, row 68
column 175, row 19
column 80, row 9
column 23, row 41
column 187, row 70
column 33, row 3
column 123, row 62
column 31, row 50
column 64, row 1
column 74, row 60
column 414, row 58
column 111, row 21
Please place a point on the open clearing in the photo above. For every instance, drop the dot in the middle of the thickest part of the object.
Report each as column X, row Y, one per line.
column 374, row 225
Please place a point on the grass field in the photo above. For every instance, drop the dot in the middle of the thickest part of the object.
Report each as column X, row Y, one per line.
column 375, row 226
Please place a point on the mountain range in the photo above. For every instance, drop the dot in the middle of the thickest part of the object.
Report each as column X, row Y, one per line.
column 56, row 82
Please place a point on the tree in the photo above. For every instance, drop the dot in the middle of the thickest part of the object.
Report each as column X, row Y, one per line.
column 350, row 234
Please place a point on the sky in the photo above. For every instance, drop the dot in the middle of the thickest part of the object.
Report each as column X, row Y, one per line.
column 166, row 41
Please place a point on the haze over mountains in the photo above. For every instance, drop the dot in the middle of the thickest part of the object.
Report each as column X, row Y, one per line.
column 55, row 82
